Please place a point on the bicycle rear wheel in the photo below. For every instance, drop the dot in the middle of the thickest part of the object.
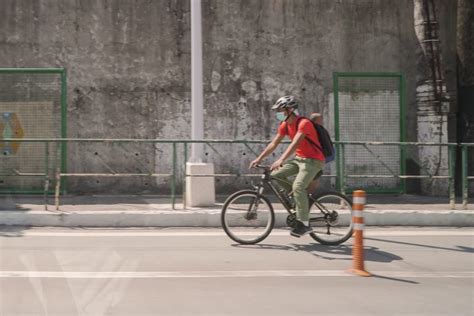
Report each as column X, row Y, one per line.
column 247, row 217
column 331, row 218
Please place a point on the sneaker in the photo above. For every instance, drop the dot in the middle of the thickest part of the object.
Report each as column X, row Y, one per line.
column 300, row 229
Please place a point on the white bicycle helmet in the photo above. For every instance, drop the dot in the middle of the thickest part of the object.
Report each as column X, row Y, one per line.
column 286, row 102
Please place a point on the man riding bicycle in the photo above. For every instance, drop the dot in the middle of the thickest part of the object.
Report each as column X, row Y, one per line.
column 307, row 163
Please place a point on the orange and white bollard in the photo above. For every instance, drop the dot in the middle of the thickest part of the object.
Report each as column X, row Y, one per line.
column 358, row 202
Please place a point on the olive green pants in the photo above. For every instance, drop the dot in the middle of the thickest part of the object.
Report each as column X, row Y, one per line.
column 305, row 170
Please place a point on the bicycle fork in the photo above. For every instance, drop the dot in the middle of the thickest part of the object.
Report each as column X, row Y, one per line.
column 253, row 206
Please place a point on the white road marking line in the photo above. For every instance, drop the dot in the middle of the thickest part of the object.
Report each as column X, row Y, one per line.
column 92, row 233
column 225, row 274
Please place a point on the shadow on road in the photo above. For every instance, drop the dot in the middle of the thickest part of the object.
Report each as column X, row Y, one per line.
column 459, row 248
column 341, row 252
column 13, row 231
column 394, row 279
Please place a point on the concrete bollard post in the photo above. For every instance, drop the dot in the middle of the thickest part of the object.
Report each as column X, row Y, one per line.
column 358, row 203
column 200, row 191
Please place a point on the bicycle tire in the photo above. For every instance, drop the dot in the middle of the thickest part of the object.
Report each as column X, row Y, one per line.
column 226, row 217
column 344, row 229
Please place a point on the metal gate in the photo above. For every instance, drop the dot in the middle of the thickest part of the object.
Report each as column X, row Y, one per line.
column 370, row 107
column 32, row 105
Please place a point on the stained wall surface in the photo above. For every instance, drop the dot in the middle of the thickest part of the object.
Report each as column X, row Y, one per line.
column 129, row 70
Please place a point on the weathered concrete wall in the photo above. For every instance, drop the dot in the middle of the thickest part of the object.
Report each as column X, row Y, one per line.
column 128, row 68
column 128, row 73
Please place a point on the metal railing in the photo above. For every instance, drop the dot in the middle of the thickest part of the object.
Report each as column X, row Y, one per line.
column 59, row 174
column 465, row 178
column 451, row 164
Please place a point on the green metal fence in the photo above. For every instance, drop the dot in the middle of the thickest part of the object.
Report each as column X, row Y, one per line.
column 59, row 174
column 370, row 106
column 32, row 105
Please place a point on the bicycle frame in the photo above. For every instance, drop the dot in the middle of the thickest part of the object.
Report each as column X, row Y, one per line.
column 266, row 181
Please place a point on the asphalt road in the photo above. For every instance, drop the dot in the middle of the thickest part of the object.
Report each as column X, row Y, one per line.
column 202, row 272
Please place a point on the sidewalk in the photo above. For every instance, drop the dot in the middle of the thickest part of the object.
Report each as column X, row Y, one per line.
column 153, row 211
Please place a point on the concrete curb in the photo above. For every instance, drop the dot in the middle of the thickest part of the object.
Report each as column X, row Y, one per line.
column 211, row 218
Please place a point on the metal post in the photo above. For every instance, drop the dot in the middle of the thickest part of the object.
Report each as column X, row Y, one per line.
column 46, row 175
column 184, row 176
column 338, row 166
column 451, row 166
column 465, row 180
column 342, row 172
column 173, row 182
column 58, row 179
column 197, row 125
column 63, row 159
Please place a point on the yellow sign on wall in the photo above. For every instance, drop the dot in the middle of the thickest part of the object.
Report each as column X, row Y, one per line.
column 10, row 127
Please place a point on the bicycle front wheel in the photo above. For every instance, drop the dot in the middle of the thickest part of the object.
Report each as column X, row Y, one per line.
column 331, row 218
column 247, row 217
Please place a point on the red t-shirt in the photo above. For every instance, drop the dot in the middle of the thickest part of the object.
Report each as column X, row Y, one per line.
column 305, row 149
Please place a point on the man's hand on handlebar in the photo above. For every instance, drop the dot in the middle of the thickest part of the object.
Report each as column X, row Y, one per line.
column 276, row 165
column 254, row 163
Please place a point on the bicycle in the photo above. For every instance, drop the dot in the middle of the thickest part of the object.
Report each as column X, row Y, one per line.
column 248, row 217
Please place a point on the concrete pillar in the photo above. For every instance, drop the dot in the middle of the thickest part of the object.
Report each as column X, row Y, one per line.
column 433, row 159
column 431, row 97
column 200, row 191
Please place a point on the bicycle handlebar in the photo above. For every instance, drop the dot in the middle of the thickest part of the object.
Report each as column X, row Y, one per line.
column 262, row 167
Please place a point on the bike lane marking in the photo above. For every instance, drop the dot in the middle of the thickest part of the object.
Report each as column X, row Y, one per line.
column 97, row 233
column 224, row 274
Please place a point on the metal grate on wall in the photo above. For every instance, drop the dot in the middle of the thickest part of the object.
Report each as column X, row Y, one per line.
column 369, row 107
column 32, row 104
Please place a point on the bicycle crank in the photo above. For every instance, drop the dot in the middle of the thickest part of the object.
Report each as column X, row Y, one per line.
column 332, row 218
column 291, row 220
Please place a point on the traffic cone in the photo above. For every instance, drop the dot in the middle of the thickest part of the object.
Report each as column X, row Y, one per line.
column 358, row 203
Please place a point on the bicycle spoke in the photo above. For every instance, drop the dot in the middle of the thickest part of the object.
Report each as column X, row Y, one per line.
column 332, row 224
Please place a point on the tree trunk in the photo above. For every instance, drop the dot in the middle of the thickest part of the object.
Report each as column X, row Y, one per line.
column 431, row 97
